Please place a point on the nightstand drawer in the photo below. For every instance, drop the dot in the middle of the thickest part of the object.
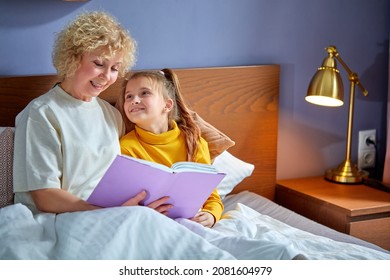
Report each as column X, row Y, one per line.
column 376, row 231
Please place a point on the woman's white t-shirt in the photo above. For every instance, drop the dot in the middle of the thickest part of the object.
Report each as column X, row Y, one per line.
column 65, row 143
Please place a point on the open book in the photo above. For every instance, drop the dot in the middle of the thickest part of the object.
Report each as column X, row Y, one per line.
column 188, row 184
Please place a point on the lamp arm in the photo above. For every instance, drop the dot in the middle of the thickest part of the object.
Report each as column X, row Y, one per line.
column 352, row 76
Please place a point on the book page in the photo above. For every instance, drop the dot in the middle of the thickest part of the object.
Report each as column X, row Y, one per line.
column 182, row 166
column 187, row 166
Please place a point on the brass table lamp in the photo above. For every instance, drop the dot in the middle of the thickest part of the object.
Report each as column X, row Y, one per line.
column 326, row 89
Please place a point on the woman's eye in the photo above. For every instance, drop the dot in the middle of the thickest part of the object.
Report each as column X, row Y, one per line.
column 98, row 63
column 115, row 69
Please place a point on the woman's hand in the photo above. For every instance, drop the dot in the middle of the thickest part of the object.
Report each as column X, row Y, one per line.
column 160, row 205
column 204, row 218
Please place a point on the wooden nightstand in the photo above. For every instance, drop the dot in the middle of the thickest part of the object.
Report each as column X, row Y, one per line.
column 357, row 210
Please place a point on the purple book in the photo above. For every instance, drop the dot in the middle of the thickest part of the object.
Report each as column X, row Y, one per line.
column 188, row 184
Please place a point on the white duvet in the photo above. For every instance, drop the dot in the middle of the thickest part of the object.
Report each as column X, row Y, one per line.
column 141, row 233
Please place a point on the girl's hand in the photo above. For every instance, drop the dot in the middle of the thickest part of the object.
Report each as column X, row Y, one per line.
column 159, row 205
column 204, row 218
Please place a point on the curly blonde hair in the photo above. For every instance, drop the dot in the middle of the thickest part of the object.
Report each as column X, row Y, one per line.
column 90, row 32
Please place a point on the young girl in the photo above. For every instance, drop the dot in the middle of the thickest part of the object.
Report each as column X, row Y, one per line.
column 164, row 130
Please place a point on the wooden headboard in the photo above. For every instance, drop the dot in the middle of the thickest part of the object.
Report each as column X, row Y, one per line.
column 240, row 101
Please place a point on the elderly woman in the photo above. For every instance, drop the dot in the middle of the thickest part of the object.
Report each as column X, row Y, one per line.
column 66, row 138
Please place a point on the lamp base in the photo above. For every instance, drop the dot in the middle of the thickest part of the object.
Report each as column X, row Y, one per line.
column 346, row 173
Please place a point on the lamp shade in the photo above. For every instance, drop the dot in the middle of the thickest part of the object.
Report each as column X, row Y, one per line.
column 326, row 87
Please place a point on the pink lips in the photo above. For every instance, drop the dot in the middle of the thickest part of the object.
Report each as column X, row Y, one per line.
column 137, row 109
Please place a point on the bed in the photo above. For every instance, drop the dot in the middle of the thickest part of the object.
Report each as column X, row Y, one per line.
column 239, row 106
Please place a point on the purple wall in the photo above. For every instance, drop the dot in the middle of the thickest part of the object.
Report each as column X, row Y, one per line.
column 184, row 33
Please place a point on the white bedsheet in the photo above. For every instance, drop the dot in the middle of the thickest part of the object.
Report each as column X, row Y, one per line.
column 112, row 233
column 141, row 233
column 280, row 213
column 248, row 227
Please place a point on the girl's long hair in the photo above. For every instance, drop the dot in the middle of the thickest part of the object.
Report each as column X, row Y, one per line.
column 180, row 111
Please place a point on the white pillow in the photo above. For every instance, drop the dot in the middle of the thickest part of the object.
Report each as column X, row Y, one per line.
column 236, row 170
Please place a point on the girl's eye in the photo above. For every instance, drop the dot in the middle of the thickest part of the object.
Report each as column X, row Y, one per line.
column 128, row 96
column 145, row 92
